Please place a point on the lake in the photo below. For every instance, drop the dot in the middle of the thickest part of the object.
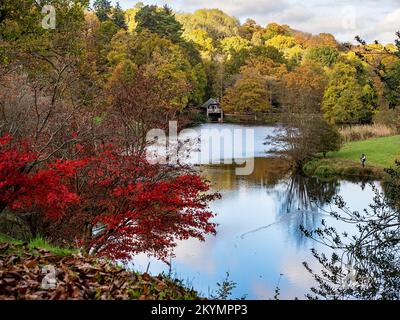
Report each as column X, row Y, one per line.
column 258, row 241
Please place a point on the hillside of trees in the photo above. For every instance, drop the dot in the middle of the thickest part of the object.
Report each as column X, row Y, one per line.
column 262, row 69
column 190, row 57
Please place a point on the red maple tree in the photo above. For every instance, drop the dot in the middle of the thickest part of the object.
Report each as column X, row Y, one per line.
column 129, row 206
column 105, row 202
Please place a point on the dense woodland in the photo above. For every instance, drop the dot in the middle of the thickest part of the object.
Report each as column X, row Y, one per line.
column 76, row 103
column 259, row 69
column 194, row 56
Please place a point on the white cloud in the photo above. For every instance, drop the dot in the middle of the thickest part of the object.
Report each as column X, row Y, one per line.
column 296, row 14
column 385, row 29
column 345, row 19
column 342, row 21
column 238, row 8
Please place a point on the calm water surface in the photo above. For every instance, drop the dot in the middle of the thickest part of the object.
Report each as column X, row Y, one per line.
column 258, row 240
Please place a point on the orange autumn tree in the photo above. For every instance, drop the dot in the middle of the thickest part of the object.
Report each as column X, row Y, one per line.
column 303, row 88
column 254, row 90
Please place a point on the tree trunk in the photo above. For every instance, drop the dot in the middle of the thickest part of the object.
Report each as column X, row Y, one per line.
column 32, row 220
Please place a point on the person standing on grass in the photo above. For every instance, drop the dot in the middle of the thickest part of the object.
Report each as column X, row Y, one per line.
column 363, row 159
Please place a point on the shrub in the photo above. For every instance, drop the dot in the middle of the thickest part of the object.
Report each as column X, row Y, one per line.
column 310, row 167
column 325, row 171
column 351, row 171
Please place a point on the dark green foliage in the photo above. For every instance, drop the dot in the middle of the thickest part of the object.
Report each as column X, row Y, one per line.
column 391, row 185
column 192, row 53
column 329, row 138
column 160, row 21
column 102, row 9
column 392, row 85
column 397, row 43
column 118, row 17
column 23, row 24
column 325, row 55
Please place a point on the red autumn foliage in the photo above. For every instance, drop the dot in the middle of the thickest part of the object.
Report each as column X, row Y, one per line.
column 129, row 206
column 23, row 187
column 110, row 204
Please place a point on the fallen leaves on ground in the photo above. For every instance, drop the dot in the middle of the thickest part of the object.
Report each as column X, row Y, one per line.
column 77, row 277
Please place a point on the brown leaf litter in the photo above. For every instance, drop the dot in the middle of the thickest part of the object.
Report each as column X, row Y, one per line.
column 40, row 275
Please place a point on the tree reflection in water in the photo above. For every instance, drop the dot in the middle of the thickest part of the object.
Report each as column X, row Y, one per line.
column 300, row 203
column 298, row 197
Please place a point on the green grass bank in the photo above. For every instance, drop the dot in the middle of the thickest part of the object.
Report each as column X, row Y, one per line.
column 381, row 153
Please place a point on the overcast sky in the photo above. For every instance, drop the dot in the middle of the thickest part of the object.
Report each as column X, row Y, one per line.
column 372, row 19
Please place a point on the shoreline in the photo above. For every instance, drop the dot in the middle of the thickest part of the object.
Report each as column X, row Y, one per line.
column 341, row 168
column 381, row 152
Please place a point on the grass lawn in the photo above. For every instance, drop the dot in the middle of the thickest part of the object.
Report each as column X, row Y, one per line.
column 38, row 243
column 381, row 152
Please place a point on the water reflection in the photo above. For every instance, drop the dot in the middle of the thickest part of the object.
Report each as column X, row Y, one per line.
column 258, row 234
column 268, row 172
column 301, row 202
column 298, row 198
